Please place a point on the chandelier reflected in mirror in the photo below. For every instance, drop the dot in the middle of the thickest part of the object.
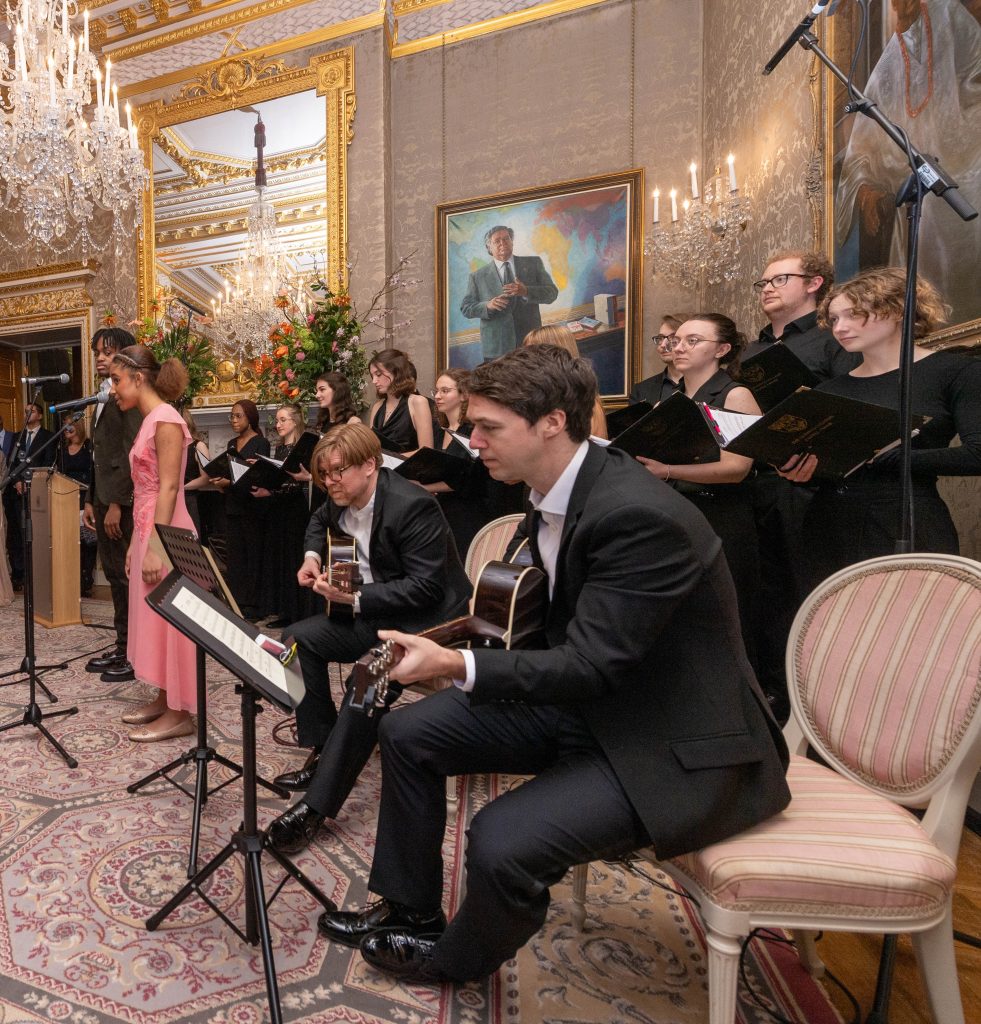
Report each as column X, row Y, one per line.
column 64, row 152
column 247, row 311
column 706, row 238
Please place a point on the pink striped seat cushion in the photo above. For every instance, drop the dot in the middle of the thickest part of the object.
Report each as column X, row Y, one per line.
column 837, row 849
column 490, row 544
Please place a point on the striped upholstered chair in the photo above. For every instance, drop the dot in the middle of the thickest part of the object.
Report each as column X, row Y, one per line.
column 884, row 670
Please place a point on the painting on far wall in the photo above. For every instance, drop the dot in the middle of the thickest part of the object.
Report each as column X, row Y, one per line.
column 922, row 65
column 565, row 253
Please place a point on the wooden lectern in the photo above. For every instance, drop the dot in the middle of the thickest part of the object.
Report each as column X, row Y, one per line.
column 54, row 517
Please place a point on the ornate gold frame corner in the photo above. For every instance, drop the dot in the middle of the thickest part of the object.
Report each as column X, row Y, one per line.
column 252, row 78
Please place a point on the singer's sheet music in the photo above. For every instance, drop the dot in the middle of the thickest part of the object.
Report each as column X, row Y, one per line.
column 232, row 637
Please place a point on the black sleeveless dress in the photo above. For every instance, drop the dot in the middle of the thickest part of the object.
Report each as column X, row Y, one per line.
column 397, row 433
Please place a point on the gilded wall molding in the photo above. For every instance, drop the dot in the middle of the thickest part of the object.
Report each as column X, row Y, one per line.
column 48, row 273
column 232, row 82
column 33, row 306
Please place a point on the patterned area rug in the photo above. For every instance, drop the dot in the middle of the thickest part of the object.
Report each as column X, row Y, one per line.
column 83, row 864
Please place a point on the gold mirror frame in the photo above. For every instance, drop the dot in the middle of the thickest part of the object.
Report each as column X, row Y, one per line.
column 239, row 81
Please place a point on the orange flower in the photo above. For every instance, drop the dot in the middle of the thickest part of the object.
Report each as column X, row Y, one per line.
column 282, row 351
column 294, row 392
column 109, row 320
column 286, row 329
column 282, row 301
column 343, row 301
column 284, row 386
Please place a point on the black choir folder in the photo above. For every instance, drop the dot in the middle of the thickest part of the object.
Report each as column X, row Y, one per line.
column 428, row 466
column 265, row 471
column 218, row 468
column 774, row 374
column 843, row 433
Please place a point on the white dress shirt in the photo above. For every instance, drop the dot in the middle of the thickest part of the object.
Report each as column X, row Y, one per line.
column 553, row 507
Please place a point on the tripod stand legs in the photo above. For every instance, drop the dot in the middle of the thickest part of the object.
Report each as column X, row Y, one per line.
column 33, row 715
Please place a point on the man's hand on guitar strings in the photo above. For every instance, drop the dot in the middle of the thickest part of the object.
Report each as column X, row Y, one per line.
column 325, row 588
column 423, row 659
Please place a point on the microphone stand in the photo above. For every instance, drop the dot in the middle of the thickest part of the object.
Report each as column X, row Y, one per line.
column 927, row 175
column 33, row 715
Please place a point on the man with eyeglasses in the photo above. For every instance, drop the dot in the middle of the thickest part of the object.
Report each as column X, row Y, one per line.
column 790, row 290
column 412, row 578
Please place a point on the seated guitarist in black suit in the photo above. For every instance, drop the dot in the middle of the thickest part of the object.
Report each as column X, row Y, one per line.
column 412, row 579
column 641, row 721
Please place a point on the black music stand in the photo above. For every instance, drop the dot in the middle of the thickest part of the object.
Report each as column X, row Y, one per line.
column 192, row 561
column 230, row 640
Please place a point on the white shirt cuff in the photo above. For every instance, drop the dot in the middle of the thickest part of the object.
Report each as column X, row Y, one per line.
column 467, row 684
column 315, row 555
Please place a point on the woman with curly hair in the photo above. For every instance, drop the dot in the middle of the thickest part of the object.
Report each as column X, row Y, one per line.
column 859, row 519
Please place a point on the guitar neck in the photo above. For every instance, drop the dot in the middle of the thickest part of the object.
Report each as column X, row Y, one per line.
column 463, row 629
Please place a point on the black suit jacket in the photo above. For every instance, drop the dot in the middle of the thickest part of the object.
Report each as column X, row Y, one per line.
column 112, row 438
column 418, row 579
column 40, row 439
column 649, row 389
column 643, row 633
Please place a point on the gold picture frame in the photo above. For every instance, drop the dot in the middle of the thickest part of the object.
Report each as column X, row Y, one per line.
column 839, row 41
column 239, row 81
column 552, row 238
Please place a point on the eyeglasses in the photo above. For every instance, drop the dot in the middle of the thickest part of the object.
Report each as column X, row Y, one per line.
column 690, row 342
column 442, row 391
column 663, row 339
column 778, row 280
column 336, row 473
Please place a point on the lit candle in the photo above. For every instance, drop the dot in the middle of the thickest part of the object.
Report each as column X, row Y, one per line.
column 731, row 160
column 674, row 205
column 64, row 18
column 71, row 62
column 85, row 33
column 20, row 56
column 98, row 89
column 108, row 73
column 694, row 180
column 51, row 80
column 686, row 204
column 129, row 118
column 115, row 102
column 133, row 141
column 657, row 205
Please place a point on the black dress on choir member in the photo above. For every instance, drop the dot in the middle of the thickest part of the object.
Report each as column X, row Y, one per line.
column 466, row 507
column 860, row 518
column 245, row 533
column 729, row 510
column 397, row 433
column 287, row 512
column 79, row 467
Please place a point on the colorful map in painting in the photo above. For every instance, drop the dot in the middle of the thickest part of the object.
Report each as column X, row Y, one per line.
column 581, row 237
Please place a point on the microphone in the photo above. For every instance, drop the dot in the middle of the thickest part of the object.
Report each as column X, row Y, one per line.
column 808, row 21
column 80, row 403
column 61, row 378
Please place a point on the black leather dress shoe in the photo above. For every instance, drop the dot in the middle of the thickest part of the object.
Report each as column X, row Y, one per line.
column 104, row 661
column 298, row 781
column 404, row 955
column 293, row 830
column 349, row 927
column 120, row 671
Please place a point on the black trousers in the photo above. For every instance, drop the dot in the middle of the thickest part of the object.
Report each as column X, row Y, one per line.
column 112, row 555
column 15, row 533
column 321, row 640
column 573, row 811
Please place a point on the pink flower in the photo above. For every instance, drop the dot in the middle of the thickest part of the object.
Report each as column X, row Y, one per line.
column 290, row 374
column 310, row 319
column 300, row 356
column 333, row 346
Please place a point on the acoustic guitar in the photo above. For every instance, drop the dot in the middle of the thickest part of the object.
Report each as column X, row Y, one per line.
column 343, row 571
column 507, row 611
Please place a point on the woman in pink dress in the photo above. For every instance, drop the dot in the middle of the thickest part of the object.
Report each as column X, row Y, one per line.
column 158, row 653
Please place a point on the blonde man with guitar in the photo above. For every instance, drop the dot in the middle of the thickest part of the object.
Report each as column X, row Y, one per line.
column 410, row 577
column 639, row 720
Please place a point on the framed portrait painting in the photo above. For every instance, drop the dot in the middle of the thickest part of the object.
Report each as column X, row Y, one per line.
column 566, row 254
column 921, row 63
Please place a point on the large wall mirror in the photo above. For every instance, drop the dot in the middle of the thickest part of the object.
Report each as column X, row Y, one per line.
column 201, row 150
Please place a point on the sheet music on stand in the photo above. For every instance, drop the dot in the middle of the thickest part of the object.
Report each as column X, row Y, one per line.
column 229, row 639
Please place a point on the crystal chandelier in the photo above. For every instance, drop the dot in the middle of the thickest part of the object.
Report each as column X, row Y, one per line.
column 64, row 154
column 246, row 311
column 706, row 238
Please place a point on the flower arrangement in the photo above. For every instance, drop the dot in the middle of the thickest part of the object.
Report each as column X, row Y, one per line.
column 168, row 335
column 327, row 338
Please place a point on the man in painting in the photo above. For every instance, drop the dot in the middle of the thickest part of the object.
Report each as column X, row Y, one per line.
column 927, row 82
column 505, row 294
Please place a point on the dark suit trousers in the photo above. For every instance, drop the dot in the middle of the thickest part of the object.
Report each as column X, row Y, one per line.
column 573, row 811
column 15, row 534
column 112, row 555
column 321, row 640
